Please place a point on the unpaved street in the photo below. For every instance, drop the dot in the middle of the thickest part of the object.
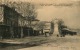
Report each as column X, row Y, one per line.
column 59, row 43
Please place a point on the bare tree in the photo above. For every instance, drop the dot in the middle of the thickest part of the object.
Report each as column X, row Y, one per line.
column 41, row 25
column 31, row 13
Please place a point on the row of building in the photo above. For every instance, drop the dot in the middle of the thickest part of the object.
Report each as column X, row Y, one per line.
column 13, row 24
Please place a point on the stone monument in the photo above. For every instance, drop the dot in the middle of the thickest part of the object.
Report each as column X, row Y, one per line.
column 56, row 30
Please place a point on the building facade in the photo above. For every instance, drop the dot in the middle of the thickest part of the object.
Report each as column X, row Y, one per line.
column 13, row 24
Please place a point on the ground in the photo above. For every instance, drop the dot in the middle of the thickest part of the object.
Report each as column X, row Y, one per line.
column 50, row 43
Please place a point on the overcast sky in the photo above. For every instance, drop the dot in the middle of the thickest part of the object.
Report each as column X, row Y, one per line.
column 70, row 14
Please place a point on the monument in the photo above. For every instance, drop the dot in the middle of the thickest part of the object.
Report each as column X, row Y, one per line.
column 56, row 30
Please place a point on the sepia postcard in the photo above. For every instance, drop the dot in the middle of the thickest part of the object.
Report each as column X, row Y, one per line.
column 39, row 24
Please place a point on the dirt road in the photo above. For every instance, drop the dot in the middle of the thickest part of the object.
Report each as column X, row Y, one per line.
column 59, row 43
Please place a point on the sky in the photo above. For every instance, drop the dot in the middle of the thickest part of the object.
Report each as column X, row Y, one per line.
column 69, row 14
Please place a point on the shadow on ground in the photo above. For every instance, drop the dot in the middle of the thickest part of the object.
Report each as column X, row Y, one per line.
column 9, row 46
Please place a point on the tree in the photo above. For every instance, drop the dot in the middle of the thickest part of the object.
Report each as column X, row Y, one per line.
column 61, row 26
column 31, row 13
column 41, row 25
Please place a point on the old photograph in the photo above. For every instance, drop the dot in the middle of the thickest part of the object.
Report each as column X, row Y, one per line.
column 39, row 24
